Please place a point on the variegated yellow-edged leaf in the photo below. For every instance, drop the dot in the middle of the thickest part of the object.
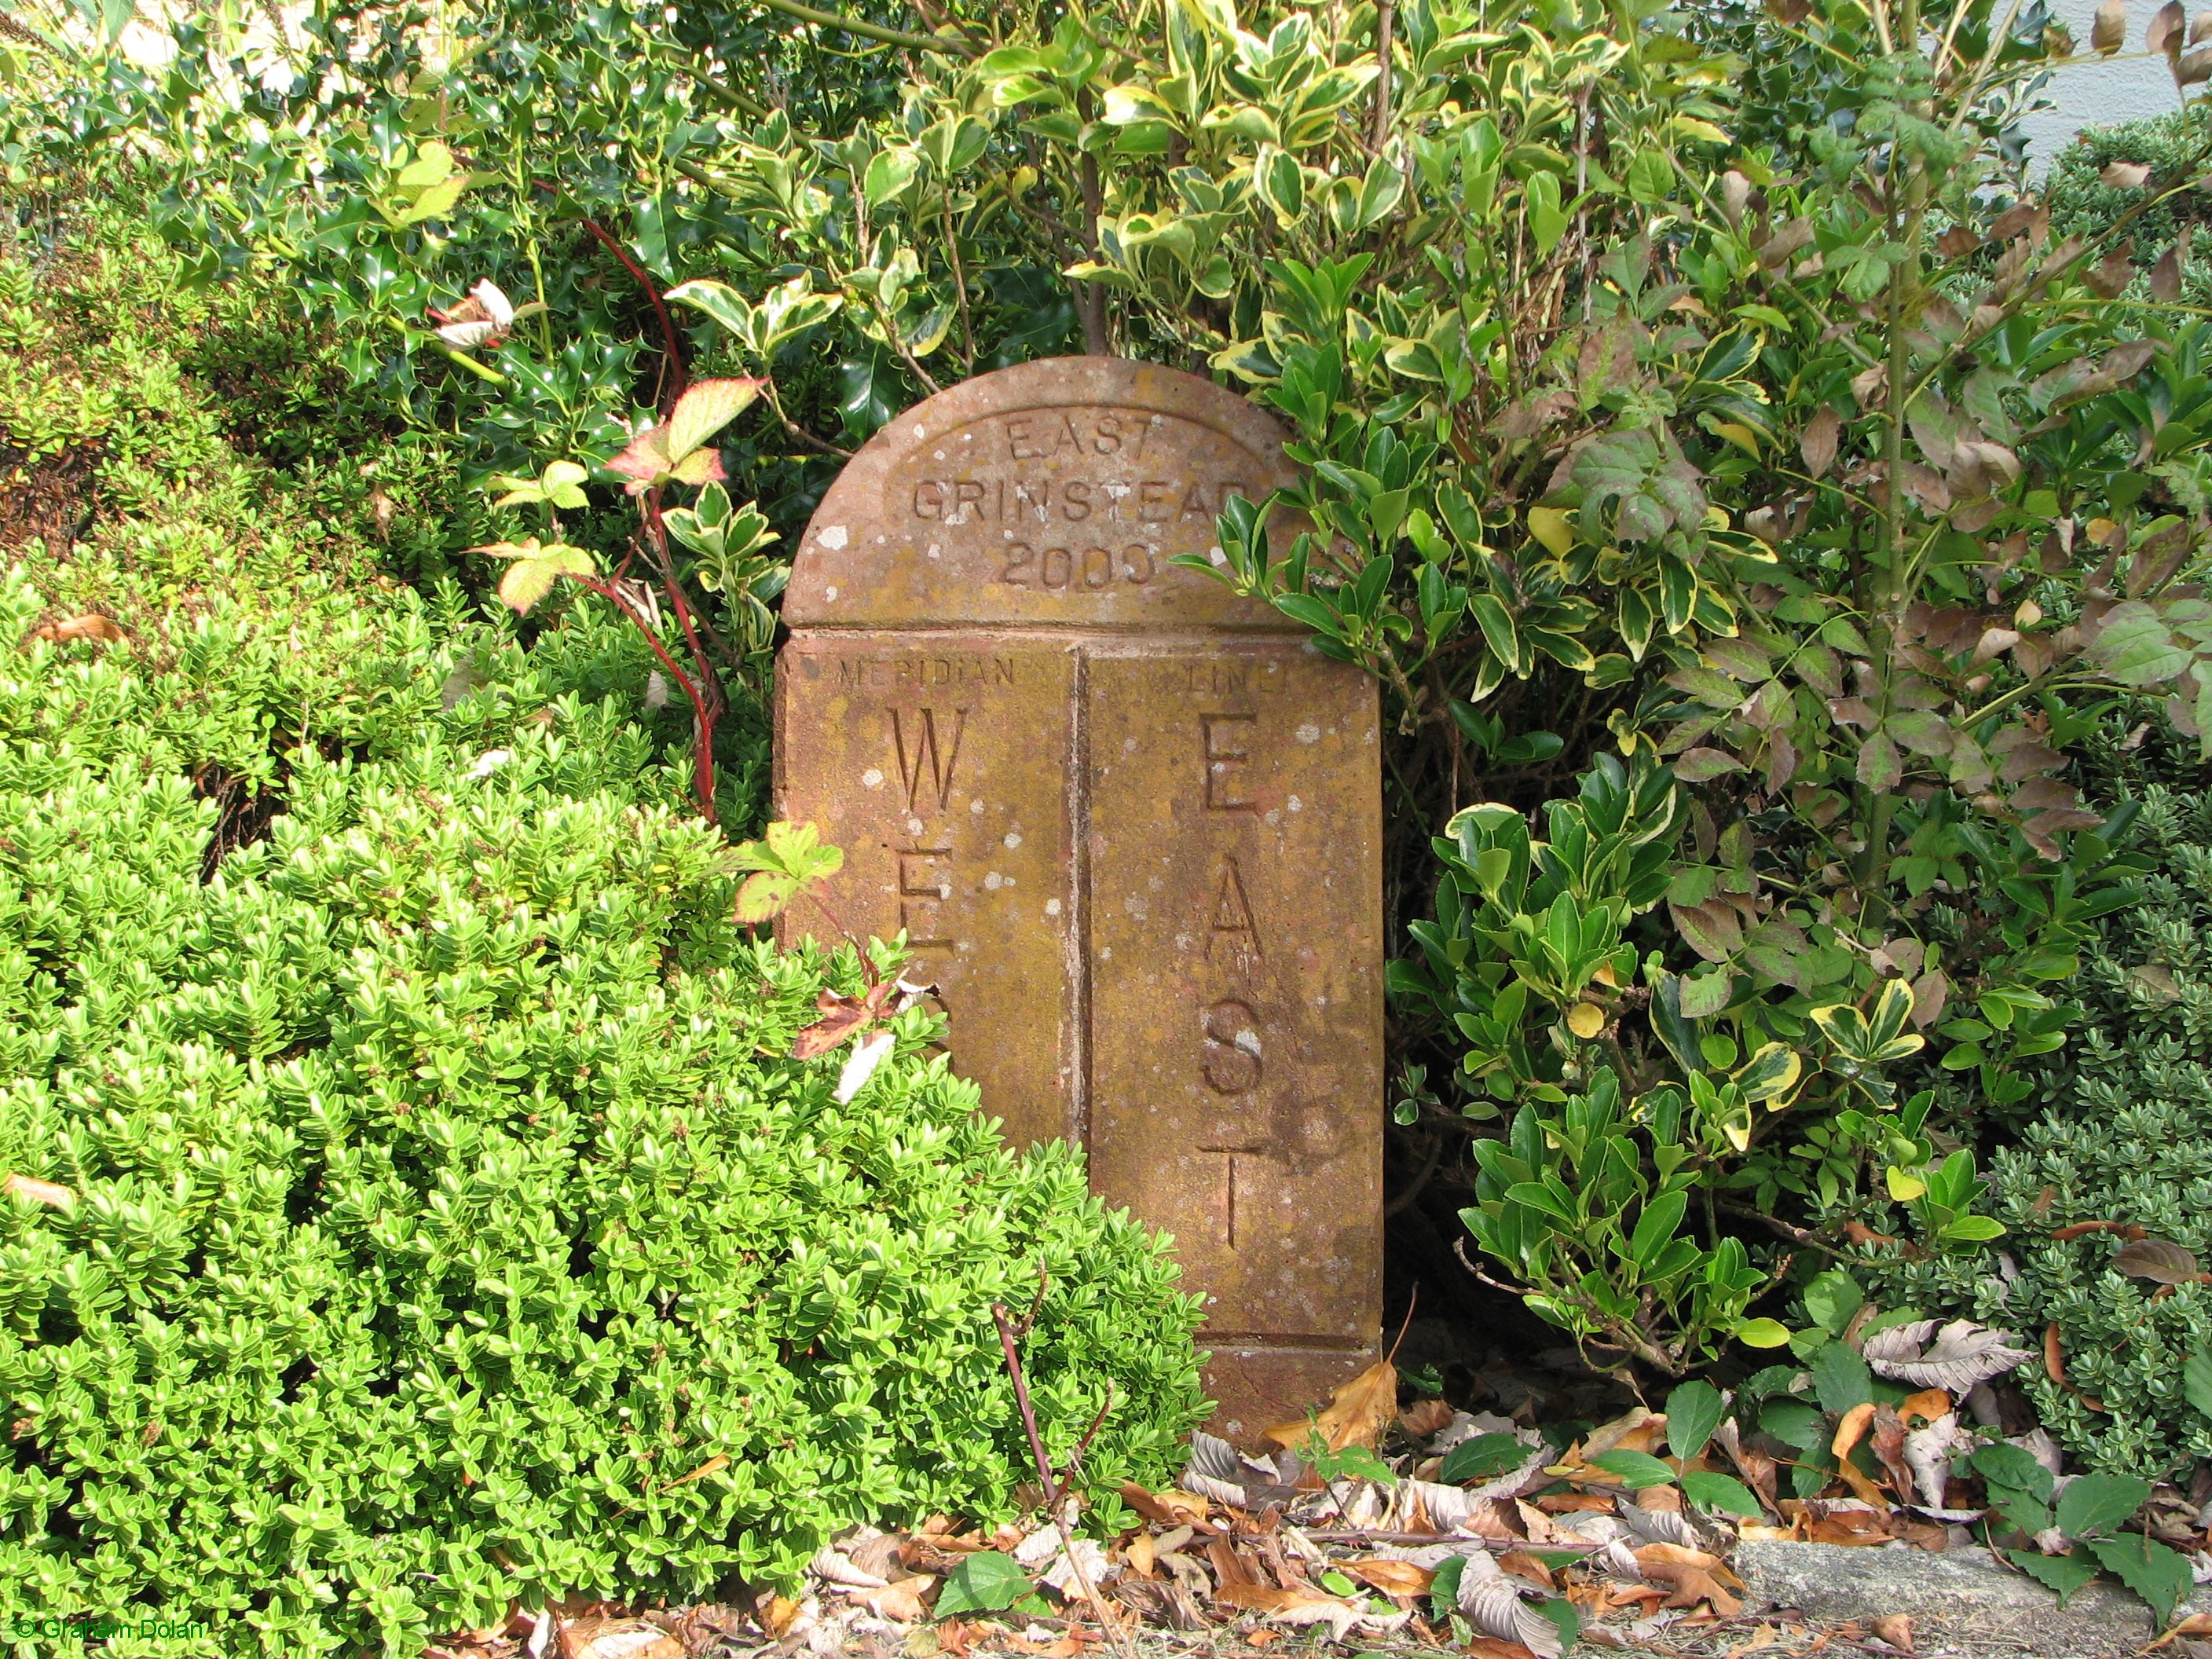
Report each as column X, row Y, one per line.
column 1551, row 526
column 717, row 301
column 1770, row 1073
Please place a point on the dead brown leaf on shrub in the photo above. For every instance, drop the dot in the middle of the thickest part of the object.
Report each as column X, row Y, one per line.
column 41, row 1192
column 2159, row 1260
column 103, row 628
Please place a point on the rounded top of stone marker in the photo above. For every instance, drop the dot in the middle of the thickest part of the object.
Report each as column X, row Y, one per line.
column 1050, row 495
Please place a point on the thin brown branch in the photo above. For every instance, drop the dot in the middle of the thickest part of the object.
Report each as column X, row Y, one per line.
column 1060, row 1517
column 1386, row 24
column 867, row 31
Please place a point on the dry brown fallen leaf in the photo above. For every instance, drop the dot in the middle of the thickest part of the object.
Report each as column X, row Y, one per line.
column 1264, row 1598
column 1929, row 1404
column 1693, row 1587
column 1173, row 1507
column 775, row 1614
column 1393, row 1577
column 81, row 627
column 1228, row 1567
column 1661, row 1560
column 1849, row 1432
column 1888, row 1442
column 1847, row 1526
column 1356, row 1416
column 2197, row 1623
column 1568, row 1503
column 1522, row 1565
column 1850, row 1429
column 1894, row 1628
column 617, row 1638
column 1489, row 1647
column 1424, row 1418
column 901, row 1603
column 1635, row 1429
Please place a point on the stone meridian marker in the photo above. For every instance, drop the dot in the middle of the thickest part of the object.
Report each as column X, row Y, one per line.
column 1129, row 822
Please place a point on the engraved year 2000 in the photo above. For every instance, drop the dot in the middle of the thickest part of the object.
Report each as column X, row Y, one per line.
column 1055, row 569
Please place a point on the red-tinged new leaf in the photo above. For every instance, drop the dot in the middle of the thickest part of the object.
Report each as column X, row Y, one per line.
column 840, row 1019
column 701, row 466
column 763, row 895
column 532, row 576
column 644, row 459
column 705, row 409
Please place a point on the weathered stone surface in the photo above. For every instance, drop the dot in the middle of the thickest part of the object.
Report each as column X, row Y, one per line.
column 1053, row 492
column 940, row 763
column 1131, row 821
column 1959, row 1601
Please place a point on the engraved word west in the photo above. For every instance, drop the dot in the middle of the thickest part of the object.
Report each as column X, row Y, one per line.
column 1127, row 821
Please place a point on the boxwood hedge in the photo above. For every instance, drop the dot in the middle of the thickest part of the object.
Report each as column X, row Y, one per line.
column 431, row 1219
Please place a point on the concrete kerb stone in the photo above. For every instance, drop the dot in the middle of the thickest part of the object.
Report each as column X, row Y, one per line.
column 1959, row 1601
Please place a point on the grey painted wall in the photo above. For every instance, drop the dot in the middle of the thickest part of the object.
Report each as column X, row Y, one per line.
column 2100, row 93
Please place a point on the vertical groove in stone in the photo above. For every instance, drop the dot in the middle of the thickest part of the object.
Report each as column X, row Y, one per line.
column 1079, row 840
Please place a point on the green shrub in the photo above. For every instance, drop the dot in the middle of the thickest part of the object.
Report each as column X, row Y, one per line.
column 448, row 1226
column 2126, row 1137
column 2175, row 147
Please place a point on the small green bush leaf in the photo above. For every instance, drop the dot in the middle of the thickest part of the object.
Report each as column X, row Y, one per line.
column 2196, row 1380
column 1832, row 1300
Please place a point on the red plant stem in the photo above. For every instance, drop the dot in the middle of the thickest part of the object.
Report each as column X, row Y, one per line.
column 1029, row 1412
column 677, row 602
column 713, row 703
column 1060, row 1518
column 702, row 756
column 675, row 373
column 1075, row 1458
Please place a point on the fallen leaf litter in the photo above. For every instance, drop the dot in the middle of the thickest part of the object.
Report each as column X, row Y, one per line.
column 1324, row 1537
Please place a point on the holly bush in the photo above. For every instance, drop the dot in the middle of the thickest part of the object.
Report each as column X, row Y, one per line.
column 412, row 1206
